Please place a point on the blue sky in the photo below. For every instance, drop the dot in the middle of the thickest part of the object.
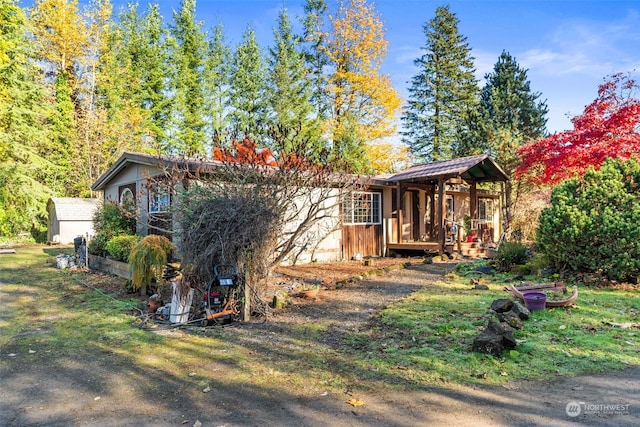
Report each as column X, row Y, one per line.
column 568, row 46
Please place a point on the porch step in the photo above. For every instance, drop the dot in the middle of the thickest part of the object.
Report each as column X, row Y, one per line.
column 473, row 249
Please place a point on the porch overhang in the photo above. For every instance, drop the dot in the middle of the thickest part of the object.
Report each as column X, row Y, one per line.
column 472, row 170
column 480, row 168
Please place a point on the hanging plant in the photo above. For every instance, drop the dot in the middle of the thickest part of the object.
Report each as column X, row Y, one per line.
column 147, row 259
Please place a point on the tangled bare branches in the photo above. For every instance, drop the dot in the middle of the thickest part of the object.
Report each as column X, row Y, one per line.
column 256, row 217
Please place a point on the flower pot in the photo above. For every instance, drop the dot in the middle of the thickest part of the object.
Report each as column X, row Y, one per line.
column 309, row 293
column 535, row 301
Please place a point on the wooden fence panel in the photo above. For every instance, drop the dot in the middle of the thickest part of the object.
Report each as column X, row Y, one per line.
column 365, row 240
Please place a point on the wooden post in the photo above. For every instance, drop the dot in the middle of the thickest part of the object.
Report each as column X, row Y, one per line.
column 246, row 304
column 422, row 212
column 432, row 209
column 399, row 211
column 473, row 206
column 441, row 214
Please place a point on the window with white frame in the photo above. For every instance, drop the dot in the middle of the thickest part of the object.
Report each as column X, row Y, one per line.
column 485, row 209
column 159, row 199
column 362, row 208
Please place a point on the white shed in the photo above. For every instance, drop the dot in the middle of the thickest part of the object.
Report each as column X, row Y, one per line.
column 70, row 217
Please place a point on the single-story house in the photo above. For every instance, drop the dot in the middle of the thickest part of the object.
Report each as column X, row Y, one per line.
column 429, row 207
column 70, row 218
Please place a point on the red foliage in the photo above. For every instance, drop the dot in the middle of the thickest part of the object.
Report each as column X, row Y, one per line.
column 246, row 151
column 608, row 127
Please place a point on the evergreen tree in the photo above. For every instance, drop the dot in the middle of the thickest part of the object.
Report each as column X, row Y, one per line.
column 27, row 178
column 443, row 94
column 62, row 126
column 188, row 81
column 152, row 67
column 120, row 85
column 216, row 81
column 135, row 75
column 315, row 53
column 248, row 89
column 511, row 115
column 293, row 128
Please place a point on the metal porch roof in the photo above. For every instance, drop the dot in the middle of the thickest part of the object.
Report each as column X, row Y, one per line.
column 480, row 168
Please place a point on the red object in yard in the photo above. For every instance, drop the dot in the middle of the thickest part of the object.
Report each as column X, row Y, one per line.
column 154, row 305
column 212, row 295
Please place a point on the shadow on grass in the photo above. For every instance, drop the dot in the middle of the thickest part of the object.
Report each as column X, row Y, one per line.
column 273, row 373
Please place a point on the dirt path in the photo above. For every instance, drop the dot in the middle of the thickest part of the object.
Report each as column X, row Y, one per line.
column 38, row 389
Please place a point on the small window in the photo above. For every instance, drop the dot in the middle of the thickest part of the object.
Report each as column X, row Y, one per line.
column 159, row 200
column 362, row 208
column 485, row 210
column 127, row 200
column 450, row 209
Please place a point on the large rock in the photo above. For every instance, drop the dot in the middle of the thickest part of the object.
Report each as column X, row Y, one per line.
column 520, row 310
column 501, row 305
column 510, row 318
column 495, row 338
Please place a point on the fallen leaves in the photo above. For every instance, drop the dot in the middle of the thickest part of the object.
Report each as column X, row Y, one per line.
column 355, row 402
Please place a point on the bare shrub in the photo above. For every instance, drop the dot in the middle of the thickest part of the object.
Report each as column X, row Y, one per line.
column 250, row 213
column 527, row 215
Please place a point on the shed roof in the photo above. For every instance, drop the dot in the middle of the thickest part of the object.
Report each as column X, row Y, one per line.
column 74, row 209
column 480, row 168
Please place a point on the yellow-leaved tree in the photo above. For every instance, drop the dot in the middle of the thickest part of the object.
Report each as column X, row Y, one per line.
column 61, row 33
column 386, row 157
column 364, row 103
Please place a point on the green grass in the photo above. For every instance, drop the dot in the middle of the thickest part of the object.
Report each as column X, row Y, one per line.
column 430, row 334
column 422, row 340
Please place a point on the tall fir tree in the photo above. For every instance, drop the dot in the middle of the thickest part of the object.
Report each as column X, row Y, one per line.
column 510, row 115
column 216, row 82
column 248, row 89
column 317, row 60
column 62, row 37
column 118, row 86
column 153, row 68
column 27, row 177
column 190, row 49
column 443, row 94
column 292, row 122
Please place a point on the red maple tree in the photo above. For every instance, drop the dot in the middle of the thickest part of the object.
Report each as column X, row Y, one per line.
column 608, row 127
column 247, row 151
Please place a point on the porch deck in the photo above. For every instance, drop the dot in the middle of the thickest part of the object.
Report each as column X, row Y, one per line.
column 473, row 250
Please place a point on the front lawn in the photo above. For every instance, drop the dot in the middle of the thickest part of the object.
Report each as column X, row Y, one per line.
column 428, row 335
column 424, row 339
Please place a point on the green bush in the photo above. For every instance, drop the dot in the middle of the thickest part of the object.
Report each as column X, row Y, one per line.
column 511, row 254
column 119, row 247
column 147, row 259
column 593, row 224
column 110, row 221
